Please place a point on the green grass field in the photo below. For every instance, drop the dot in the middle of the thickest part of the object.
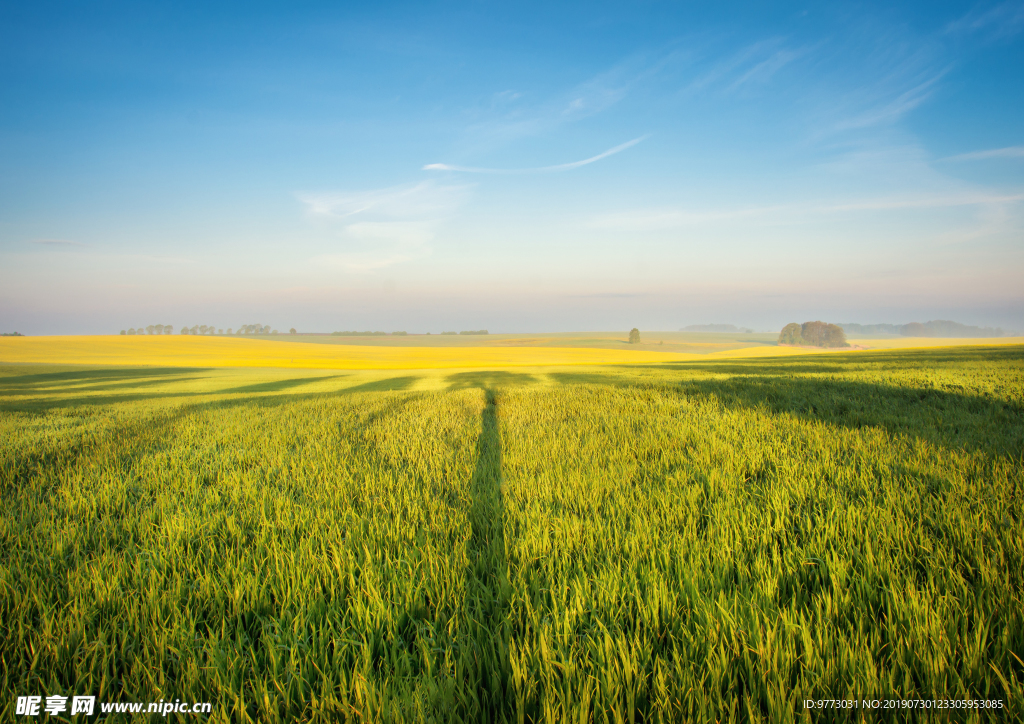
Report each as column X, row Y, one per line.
column 700, row 542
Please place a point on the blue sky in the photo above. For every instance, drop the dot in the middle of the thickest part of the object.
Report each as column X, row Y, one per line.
column 516, row 167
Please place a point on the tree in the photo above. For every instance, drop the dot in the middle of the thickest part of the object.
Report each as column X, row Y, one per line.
column 790, row 334
column 816, row 334
column 835, row 336
column 124, row 331
column 194, row 330
column 292, row 331
column 184, row 330
column 634, row 336
column 813, row 333
column 131, row 330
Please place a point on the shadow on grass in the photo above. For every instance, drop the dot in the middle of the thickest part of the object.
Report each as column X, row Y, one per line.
column 390, row 384
column 63, row 390
column 488, row 589
column 80, row 376
column 487, row 380
column 803, row 388
column 277, row 385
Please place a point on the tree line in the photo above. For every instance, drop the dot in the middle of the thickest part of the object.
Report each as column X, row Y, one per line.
column 934, row 328
column 205, row 329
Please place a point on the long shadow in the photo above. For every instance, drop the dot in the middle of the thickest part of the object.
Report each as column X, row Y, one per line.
column 487, row 380
column 268, row 393
column 276, row 385
column 948, row 418
column 488, row 588
column 78, row 376
column 389, row 384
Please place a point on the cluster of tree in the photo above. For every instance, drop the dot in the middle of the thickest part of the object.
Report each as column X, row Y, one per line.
column 203, row 329
column 256, row 329
column 634, row 336
column 449, row 332
column 934, row 328
column 151, row 329
column 813, row 334
column 11, row 334
column 475, row 331
column 722, row 328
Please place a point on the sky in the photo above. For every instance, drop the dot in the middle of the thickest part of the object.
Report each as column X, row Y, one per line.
column 517, row 167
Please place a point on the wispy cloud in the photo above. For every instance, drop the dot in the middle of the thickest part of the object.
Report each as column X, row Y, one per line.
column 670, row 218
column 1001, row 20
column 764, row 70
column 58, row 243
column 426, row 199
column 507, row 116
column 1008, row 152
column 754, row 63
column 894, row 109
column 542, row 169
column 383, row 227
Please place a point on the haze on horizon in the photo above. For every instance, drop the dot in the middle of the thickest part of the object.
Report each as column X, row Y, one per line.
column 542, row 167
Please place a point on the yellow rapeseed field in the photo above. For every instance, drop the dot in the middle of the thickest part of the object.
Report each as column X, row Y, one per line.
column 186, row 351
column 195, row 351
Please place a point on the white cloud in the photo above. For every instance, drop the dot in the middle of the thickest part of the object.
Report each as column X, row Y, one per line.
column 672, row 218
column 1009, row 152
column 764, row 70
column 426, row 199
column 542, row 169
column 894, row 109
column 505, row 117
column 383, row 227
column 1003, row 20
column 404, row 233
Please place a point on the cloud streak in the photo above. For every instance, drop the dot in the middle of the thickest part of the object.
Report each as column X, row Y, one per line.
column 383, row 227
column 541, row 169
column 671, row 218
column 1008, row 152
column 426, row 199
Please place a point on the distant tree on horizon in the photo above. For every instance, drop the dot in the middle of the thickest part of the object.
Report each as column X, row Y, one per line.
column 123, row 331
column 790, row 334
column 813, row 334
column 634, row 336
column 292, row 331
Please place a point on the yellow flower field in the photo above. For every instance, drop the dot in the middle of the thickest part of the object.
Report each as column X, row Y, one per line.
column 195, row 351
column 188, row 351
